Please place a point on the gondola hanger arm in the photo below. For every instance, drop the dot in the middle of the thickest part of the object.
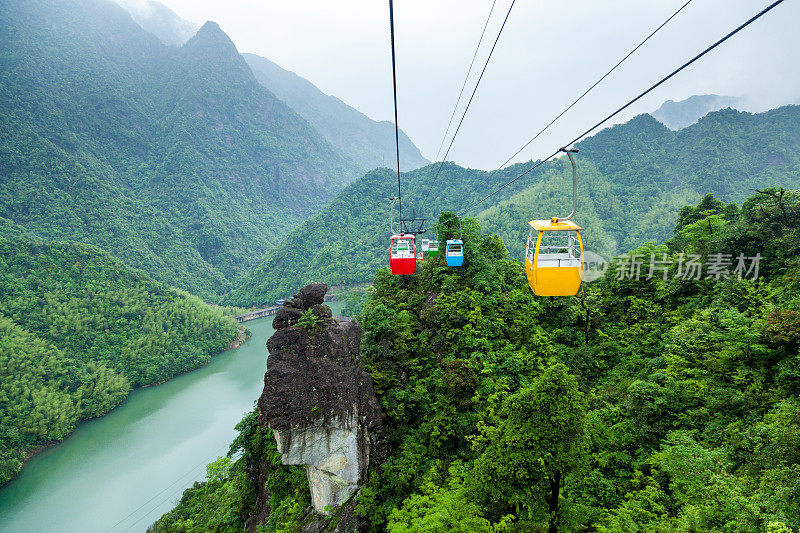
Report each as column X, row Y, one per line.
column 569, row 152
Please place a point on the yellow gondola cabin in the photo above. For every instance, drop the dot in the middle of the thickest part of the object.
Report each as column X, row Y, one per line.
column 554, row 257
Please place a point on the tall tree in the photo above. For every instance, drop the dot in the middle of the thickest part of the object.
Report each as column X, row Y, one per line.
column 539, row 441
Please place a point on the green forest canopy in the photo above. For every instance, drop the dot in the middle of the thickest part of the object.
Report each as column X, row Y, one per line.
column 662, row 404
column 78, row 331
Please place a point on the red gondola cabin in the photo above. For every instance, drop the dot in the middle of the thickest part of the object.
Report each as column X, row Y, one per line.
column 402, row 255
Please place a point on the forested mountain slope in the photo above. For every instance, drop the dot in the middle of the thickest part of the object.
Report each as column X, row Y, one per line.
column 174, row 159
column 634, row 176
column 369, row 143
column 78, row 331
column 348, row 239
column 631, row 178
column 662, row 404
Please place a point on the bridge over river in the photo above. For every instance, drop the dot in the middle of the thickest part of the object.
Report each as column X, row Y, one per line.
column 267, row 311
column 258, row 313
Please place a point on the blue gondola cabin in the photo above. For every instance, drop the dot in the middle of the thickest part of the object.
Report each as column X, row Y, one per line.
column 455, row 252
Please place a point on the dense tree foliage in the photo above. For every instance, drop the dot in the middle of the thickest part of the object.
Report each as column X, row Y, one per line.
column 176, row 160
column 78, row 330
column 663, row 403
column 631, row 177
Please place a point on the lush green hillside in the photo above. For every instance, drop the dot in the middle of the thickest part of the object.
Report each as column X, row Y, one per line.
column 174, row 159
column 369, row 143
column 348, row 239
column 78, row 330
column 668, row 404
column 635, row 176
column 632, row 178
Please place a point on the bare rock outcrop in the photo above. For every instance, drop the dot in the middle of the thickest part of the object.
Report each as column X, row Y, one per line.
column 317, row 399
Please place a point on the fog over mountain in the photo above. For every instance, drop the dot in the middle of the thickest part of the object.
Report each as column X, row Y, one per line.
column 161, row 21
column 369, row 143
column 678, row 115
column 548, row 54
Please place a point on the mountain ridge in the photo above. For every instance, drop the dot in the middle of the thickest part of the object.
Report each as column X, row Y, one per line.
column 174, row 159
column 678, row 115
column 368, row 142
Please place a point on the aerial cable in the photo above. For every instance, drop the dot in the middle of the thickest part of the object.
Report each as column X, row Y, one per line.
column 463, row 115
column 624, row 107
column 677, row 70
column 595, row 84
column 587, row 91
column 178, row 479
column 396, row 127
column 466, row 78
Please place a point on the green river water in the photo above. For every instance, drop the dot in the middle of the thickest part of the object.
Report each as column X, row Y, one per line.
column 122, row 471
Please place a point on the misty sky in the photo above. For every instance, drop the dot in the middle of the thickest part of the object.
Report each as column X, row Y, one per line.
column 549, row 53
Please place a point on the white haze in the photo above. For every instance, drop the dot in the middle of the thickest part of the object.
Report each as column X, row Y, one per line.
column 549, row 53
column 151, row 16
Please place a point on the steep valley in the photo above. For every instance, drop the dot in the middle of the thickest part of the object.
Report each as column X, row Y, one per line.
column 155, row 183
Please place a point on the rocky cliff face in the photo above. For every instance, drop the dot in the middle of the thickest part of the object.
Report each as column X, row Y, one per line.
column 317, row 399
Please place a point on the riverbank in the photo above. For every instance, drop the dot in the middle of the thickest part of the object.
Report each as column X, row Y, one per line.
column 242, row 335
column 30, row 453
column 156, row 443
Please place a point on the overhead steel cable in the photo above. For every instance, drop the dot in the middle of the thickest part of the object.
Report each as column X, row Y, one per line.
column 396, row 127
column 472, row 96
column 466, row 78
column 678, row 70
column 595, row 84
column 177, row 480
column 622, row 108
